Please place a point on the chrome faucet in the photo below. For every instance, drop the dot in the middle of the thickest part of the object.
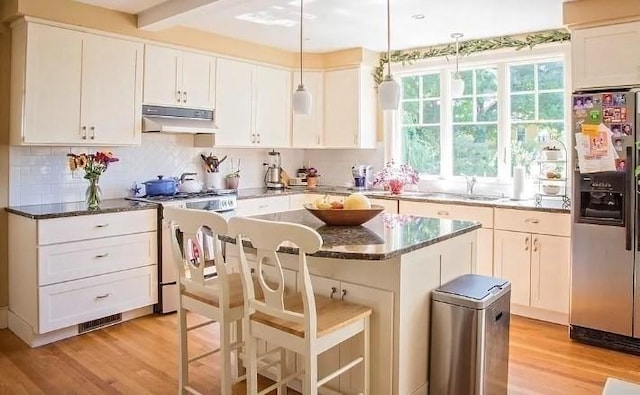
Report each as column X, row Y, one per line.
column 471, row 182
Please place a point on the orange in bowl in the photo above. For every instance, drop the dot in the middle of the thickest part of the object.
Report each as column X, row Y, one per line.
column 343, row 217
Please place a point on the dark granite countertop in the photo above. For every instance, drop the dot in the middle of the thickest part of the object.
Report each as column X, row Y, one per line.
column 553, row 205
column 58, row 210
column 385, row 236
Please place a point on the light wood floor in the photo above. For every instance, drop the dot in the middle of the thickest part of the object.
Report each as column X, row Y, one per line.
column 139, row 357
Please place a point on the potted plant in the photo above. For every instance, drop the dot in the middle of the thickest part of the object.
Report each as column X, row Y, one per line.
column 551, row 152
column 312, row 177
column 395, row 176
column 232, row 179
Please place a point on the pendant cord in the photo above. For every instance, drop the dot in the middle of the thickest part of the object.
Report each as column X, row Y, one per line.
column 388, row 37
column 457, row 54
column 301, row 14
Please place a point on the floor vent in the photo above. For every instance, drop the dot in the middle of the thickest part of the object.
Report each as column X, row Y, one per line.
column 99, row 323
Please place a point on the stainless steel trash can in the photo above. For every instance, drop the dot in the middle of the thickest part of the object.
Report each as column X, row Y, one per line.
column 470, row 336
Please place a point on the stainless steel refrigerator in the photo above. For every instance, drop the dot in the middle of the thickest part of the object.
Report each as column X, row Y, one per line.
column 605, row 273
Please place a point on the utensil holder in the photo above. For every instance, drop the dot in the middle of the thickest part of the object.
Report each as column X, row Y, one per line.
column 213, row 180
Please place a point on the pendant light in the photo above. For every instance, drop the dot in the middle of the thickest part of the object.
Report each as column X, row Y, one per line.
column 301, row 97
column 457, row 84
column 389, row 89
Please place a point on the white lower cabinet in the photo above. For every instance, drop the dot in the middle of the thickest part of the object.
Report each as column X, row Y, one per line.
column 381, row 301
column 261, row 206
column 69, row 271
column 538, row 268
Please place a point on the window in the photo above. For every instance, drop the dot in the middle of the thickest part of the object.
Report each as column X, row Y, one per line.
column 506, row 109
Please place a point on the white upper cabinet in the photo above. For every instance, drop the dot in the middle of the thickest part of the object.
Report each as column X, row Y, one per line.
column 307, row 130
column 111, row 90
column 70, row 87
column 605, row 56
column 350, row 109
column 253, row 105
column 179, row 78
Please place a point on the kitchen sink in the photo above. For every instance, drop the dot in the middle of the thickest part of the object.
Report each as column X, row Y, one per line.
column 454, row 196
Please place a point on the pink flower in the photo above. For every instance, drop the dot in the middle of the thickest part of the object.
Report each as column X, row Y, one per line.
column 395, row 176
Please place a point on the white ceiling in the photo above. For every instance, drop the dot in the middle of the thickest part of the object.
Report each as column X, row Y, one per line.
column 338, row 24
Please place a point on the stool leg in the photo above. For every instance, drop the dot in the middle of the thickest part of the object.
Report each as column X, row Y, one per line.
column 367, row 358
column 310, row 385
column 183, row 352
column 225, row 351
column 251, row 359
column 282, row 389
column 239, row 362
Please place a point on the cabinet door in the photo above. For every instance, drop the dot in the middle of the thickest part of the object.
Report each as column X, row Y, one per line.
column 272, row 107
column 512, row 255
column 342, row 108
column 307, row 130
column 52, row 86
column 111, row 90
column 162, row 68
column 381, row 301
column 484, row 261
column 601, row 56
column 198, row 80
column 234, row 103
column 550, row 260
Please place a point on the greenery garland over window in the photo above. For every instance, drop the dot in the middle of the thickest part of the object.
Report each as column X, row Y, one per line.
column 469, row 47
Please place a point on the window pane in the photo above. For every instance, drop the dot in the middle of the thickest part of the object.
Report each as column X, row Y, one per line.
column 431, row 85
column 524, row 145
column 551, row 106
column 522, row 78
column 523, row 107
column 486, row 81
column 475, row 150
column 410, row 112
column 467, row 77
column 421, row 148
column 463, row 110
column 431, row 111
column 487, row 109
column 550, row 75
column 410, row 87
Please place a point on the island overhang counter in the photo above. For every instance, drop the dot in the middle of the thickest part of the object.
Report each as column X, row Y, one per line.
column 391, row 263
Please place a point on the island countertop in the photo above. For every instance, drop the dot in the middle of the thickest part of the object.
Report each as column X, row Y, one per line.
column 384, row 237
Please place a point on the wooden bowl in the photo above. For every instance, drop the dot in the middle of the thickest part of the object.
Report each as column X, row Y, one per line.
column 342, row 217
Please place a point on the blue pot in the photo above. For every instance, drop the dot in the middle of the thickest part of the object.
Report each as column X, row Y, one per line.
column 161, row 186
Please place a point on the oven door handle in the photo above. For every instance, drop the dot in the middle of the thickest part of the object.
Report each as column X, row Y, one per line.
column 630, row 189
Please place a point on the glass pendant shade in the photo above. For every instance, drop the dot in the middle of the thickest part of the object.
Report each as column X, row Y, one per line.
column 389, row 93
column 457, row 86
column 302, row 101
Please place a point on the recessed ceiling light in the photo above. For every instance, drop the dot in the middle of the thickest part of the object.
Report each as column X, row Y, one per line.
column 418, row 16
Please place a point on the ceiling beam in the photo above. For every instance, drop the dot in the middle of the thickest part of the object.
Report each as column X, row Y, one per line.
column 166, row 14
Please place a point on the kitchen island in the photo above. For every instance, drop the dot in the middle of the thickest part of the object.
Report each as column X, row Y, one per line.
column 391, row 264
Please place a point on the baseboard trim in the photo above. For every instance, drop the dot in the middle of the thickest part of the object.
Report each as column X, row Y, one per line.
column 539, row 314
column 4, row 322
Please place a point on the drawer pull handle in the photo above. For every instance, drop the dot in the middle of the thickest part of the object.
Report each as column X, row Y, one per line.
column 106, row 254
column 532, row 220
column 526, row 243
column 333, row 291
column 102, row 226
column 443, row 212
column 103, row 296
column 263, row 206
column 344, row 293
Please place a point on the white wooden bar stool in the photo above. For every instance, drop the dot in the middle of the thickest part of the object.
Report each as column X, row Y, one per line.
column 219, row 298
column 304, row 323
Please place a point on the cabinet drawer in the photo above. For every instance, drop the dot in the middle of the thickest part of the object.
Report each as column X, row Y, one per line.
column 390, row 206
column 297, row 202
column 533, row 222
column 260, row 206
column 60, row 230
column 65, row 304
column 71, row 261
column 484, row 215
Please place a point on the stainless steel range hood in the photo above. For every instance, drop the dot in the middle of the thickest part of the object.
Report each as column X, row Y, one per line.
column 177, row 120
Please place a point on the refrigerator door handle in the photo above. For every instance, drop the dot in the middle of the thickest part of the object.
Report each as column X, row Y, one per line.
column 628, row 202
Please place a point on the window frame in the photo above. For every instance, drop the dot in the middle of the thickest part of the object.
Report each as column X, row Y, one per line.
column 501, row 59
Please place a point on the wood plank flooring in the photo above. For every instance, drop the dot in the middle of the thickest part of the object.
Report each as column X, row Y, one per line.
column 139, row 357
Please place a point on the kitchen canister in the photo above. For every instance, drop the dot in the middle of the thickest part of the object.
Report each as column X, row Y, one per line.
column 214, row 180
column 518, row 183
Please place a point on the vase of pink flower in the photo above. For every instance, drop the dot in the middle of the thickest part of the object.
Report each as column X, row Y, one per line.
column 94, row 165
column 394, row 177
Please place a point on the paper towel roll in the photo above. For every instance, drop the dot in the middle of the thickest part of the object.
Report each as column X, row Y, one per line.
column 518, row 183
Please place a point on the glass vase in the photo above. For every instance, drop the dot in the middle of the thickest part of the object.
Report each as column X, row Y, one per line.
column 93, row 194
column 396, row 186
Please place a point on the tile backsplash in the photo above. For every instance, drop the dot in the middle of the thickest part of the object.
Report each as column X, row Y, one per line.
column 334, row 165
column 40, row 175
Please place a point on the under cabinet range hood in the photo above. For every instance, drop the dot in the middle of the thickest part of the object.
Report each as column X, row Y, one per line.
column 177, row 120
